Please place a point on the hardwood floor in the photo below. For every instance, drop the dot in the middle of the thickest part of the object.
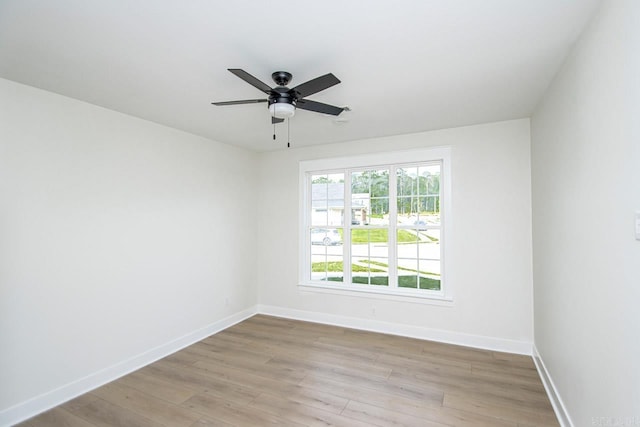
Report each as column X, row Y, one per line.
column 273, row 371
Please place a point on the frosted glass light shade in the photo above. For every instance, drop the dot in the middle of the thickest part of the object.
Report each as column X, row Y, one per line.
column 282, row 110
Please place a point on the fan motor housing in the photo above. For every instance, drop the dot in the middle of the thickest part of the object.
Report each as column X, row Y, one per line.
column 282, row 78
column 283, row 95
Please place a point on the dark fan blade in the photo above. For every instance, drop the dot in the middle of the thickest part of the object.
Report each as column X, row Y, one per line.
column 318, row 107
column 251, row 80
column 245, row 101
column 275, row 120
column 316, row 85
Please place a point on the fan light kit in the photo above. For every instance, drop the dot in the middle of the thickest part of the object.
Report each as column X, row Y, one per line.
column 282, row 110
column 282, row 101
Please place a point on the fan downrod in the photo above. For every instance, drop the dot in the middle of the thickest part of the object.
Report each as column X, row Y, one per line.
column 282, row 78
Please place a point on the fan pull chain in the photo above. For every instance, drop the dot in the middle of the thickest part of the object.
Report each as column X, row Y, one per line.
column 288, row 134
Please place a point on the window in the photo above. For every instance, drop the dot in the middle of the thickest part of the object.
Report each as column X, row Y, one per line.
column 376, row 223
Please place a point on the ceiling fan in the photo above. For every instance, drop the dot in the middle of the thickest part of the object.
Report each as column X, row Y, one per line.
column 282, row 101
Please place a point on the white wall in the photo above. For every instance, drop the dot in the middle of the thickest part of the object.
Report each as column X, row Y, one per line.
column 491, row 241
column 117, row 236
column 586, row 188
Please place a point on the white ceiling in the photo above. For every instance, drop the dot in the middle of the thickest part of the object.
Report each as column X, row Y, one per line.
column 405, row 65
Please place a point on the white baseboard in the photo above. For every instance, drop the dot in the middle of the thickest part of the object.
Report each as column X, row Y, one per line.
column 38, row 404
column 477, row 341
column 556, row 401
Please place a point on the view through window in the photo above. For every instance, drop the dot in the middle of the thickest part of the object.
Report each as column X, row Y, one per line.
column 376, row 227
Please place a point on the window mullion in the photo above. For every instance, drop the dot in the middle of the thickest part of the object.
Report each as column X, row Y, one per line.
column 393, row 234
column 443, row 212
column 307, row 228
column 346, row 252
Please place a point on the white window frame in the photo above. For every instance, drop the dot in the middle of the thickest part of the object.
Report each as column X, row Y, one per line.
column 372, row 161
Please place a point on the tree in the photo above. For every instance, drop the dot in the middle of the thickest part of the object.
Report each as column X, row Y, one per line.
column 321, row 180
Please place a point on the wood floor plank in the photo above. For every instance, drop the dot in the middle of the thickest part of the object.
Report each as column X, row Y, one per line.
column 320, row 354
column 422, row 361
column 207, row 352
column 350, row 352
column 273, row 371
column 210, row 422
column 522, row 403
column 312, row 364
column 253, row 383
column 390, row 344
column 451, row 383
column 241, row 392
column 502, row 410
column 300, row 413
column 57, row 417
column 458, row 418
column 105, row 414
column 412, row 390
column 240, row 415
column 280, row 373
column 379, row 416
column 414, row 405
column 316, row 399
column 157, row 387
column 148, row 406
column 420, row 367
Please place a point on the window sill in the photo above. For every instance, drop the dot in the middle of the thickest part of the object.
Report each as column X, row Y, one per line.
column 408, row 295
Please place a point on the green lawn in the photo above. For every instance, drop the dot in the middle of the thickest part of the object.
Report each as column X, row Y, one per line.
column 382, row 264
column 403, row 281
column 425, row 282
column 338, row 266
column 378, row 235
